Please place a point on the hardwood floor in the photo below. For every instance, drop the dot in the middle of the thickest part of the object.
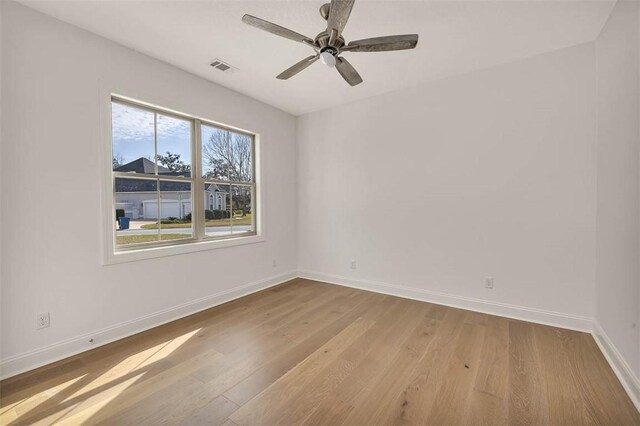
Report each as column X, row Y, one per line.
column 312, row 353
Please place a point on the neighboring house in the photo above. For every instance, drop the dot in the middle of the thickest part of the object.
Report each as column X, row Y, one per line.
column 139, row 197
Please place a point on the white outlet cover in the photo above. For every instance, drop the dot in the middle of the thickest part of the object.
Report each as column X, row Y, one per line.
column 43, row 321
column 488, row 282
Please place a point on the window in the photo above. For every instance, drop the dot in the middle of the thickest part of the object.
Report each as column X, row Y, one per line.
column 178, row 179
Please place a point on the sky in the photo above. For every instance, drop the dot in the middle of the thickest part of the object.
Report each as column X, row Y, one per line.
column 132, row 132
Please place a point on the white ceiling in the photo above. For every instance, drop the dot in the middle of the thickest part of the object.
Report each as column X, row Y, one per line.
column 455, row 37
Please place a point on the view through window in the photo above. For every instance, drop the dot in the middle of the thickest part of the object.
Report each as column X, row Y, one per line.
column 179, row 179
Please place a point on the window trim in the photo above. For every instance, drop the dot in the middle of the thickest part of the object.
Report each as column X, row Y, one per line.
column 200, row 241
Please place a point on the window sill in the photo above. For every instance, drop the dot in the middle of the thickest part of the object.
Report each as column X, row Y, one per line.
column 191, row 247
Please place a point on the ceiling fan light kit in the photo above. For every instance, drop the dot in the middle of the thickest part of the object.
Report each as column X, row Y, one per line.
column 328, row 59
column 329, row 44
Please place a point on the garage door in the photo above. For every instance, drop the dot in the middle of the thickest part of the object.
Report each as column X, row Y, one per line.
column 168, row 208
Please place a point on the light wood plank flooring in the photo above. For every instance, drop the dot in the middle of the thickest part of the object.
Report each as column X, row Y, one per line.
column 312, row 353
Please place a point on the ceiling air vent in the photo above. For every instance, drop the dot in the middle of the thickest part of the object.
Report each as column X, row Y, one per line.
column 223, row 66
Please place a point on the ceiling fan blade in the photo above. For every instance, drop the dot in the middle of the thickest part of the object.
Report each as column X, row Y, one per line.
column 347, row 71
column 339, row 12
column 276, row 29
column 383, row 44
column 295, row 69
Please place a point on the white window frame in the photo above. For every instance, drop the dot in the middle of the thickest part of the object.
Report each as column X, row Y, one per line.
column 114, row 254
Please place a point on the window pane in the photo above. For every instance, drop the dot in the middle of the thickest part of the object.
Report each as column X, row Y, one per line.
column 242, row 217
column 226, row 155
column 133, row 148
column 174, row 146
column 136, row 211
column 217, row 210
column 175, row 210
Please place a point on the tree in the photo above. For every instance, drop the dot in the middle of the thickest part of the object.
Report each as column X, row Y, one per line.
column 117, row 160
column 241, row 196
column 227, row 156
column 173, row 162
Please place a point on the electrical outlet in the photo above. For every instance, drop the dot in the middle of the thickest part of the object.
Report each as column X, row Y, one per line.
column 274, row 263
column 488, row 282
column 43, row 321
column 354, row 265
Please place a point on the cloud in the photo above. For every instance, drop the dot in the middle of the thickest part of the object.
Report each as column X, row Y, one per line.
column 129, row 123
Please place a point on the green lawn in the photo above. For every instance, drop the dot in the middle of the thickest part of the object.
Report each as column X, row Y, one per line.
column 245, row 220
column 135, row 239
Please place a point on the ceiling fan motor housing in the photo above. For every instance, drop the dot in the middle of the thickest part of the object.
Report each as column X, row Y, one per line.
column 329, row 49
column 322, row 41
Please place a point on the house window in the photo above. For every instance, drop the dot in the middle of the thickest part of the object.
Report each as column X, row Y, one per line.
column 178, row 179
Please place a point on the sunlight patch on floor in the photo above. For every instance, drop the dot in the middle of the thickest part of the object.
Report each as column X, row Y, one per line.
column 134, row 363
column 89, row 399
column 13, row 410
column 84, row 409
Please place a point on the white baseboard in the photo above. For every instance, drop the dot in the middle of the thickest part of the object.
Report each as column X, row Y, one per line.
column 620, row 367
column 36, row 358
column 556, row 319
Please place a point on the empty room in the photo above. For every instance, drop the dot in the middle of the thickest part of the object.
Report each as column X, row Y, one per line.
column 338, row 212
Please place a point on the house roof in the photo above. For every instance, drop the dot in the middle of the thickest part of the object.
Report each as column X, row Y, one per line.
column 145, row 166
column 141, row 165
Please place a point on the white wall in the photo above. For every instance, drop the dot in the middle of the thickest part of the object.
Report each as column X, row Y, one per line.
column 52, row 142
column 618, row 217
column 433, row 188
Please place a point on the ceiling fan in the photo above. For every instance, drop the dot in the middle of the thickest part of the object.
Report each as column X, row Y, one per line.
column 329, row 44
